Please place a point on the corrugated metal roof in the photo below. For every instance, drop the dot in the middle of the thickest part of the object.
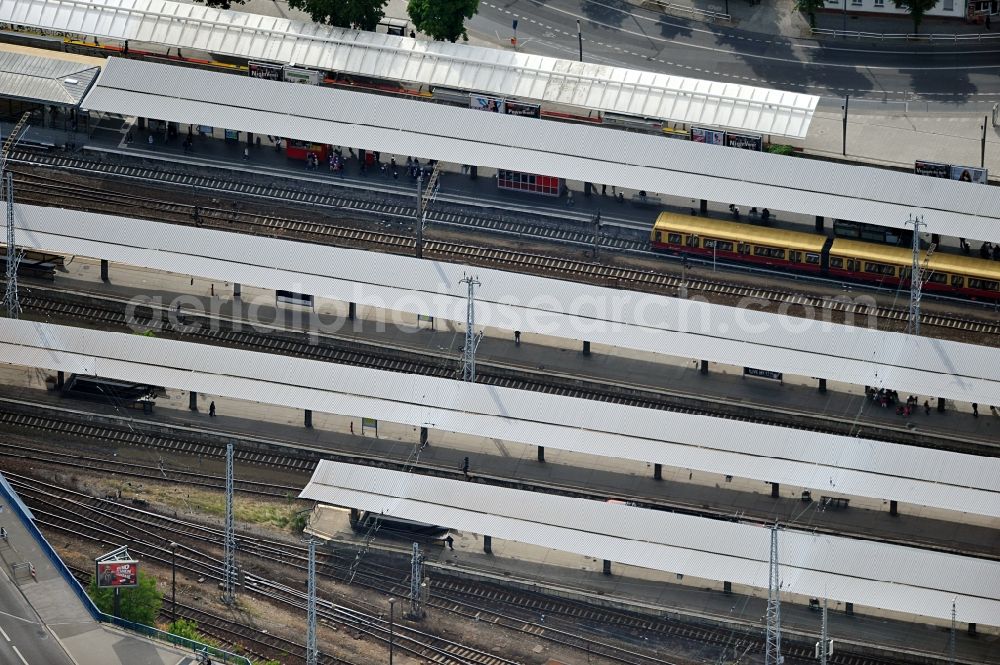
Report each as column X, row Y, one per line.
column 891, row 577
column 510, row 301
column 592, row 154
column 500, row 72
column 844, row 465
column 46, row 80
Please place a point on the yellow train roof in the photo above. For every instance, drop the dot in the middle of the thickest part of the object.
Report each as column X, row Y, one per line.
column 939, row 261
column 723, row 230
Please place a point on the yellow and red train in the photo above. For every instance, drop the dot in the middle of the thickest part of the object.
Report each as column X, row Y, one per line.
column 796, row 251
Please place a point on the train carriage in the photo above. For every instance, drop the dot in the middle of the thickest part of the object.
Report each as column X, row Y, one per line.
column 775, row 248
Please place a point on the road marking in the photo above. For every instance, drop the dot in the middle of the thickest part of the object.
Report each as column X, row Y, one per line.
column 19, row 654
column 5, row 635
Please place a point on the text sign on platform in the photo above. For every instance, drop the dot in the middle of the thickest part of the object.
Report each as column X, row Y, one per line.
column 762, row 373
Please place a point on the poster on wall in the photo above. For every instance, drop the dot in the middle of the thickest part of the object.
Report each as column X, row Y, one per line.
column 522, row 109
column 265, row 70
column 482, row 103
column 298, row 75
column 712, row 136
column 969, row 174
column 745, row 141
column 932, row 169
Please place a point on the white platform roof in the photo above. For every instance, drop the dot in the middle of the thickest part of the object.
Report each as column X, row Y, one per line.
column 510, row 301
column 890, row 577
column 48, row 80
column 844, row 465
column 474, row 68
column 576, row 152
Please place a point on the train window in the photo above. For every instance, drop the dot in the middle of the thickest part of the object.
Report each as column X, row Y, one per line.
column 674, row 238
column 743, row 248
column 904, row 273
column 658, row 236
column 769, row 252
column 795, row 257
column 938, row 278
column 709, row 243
column 721, row 245
column 853, row 265
column 985, row 285
column 880, row 268
column 812, row 259
column 957, row 281
column 692, row 241
column 836, row 262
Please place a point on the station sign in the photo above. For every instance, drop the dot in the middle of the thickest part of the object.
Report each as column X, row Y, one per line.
column 299, row 75
column 117, row 574
column 522, row 109
column 762, row 373
column 266, row 70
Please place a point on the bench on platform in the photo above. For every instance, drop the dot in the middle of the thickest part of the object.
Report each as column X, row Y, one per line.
column 834, row 502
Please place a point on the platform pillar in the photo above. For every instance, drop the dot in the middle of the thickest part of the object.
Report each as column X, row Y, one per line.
column 193, row 400
column 141, row 122
column 104, row 270
column 237, row 291
column 657, row 471
column 972, row 629
column 774, row 490
column 423, row 436
column 703, row 206
column 488, row 544
column 352, row 310
column 473, row 172
column 607, row 567
column 893, row 507
column 60, row 380
column 586, row 348
column 940, row 404
column 704, row 367
column 819, row 223
column 309, row 419
column 822, row 385
column 936, row 238
column 541, row 453
column 727, row 588
column 850, row 609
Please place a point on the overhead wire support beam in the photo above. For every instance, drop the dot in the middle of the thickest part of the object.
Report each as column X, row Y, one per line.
column 11, row 300
column 471, row 338
column 424, row 198
column 229, row 565
column 916, row 277
column 312, row 653
column 772, row 655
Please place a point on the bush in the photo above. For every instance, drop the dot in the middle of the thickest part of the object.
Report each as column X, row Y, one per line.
column 186, row 629
column 781, row 149
column 138, row 605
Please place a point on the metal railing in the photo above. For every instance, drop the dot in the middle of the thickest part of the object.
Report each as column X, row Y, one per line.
column 694, row 12
column 909, row 36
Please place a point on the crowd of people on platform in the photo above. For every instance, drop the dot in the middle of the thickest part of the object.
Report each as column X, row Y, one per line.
column 890, row 398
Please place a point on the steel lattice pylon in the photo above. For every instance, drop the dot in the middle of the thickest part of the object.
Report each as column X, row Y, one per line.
column 772, row 655
column 416, row 580
column 312, row 654
column 916, row 279
column 229, row 565
column 11, row 301
column 471, row 339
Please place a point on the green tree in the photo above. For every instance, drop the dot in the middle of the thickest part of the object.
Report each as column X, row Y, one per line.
column 442, row 19
column 186, row 629
column 917, row 9
column 358, row 14
column 222, row 4
column 810, row 7
column 140, row 604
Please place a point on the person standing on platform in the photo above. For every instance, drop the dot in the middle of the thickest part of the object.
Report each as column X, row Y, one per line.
column 211, row 410
column 465, row 468
column 517, row 338
column 450, row 541
column 975, row 410
column 927, row 408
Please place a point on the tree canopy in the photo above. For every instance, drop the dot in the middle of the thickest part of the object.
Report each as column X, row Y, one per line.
column 917, row 9
column 358, row 14
column 442, row 19
column 140, row 604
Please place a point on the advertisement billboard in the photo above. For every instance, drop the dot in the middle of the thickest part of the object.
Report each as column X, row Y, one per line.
column 745, row 141
column 712, row 136
column 297, row 75
column 494, row 104
column 522, row 109
column 932, row 169
column 265, row 70
column 969, row 174
column 117, row 574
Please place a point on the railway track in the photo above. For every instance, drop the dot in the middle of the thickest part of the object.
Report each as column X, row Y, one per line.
column 50, row 303
column 518, row 611
column 44, row 190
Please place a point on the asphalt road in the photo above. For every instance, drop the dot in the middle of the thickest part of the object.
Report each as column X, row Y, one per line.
column 23, row 640
column 616, row 32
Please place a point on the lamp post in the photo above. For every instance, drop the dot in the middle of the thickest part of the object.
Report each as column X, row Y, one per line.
column 579, row 37
column 173, row 580
column 392, row 607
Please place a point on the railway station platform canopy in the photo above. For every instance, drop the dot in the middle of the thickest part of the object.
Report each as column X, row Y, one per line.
column 878, row 575
column 842, row 465
column 388, row 57
column 510, row 301
column 44, row 80
column 576, row 152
